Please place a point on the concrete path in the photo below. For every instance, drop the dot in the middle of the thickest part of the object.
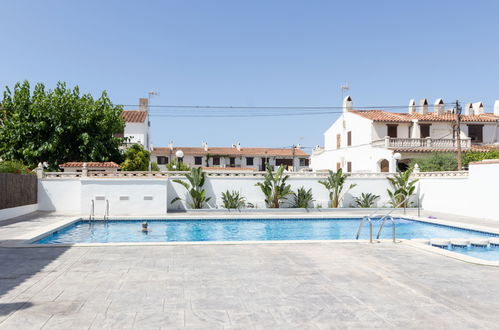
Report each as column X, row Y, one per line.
column 263, row 286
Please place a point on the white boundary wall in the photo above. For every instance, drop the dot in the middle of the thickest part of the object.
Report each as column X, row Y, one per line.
column 474, row 195
column 17, row 211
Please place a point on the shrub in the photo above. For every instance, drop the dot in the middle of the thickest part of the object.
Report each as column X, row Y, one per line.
column 274, row 187
column 476, row 156
column 136, row 159
column 302, row 198
column 13, row 166
column 438, row 161
column 195, row 188
column 177, row 166
column 403, row 188
column 366, row 200
column 334, row 183
column 154, row 167
column 233, row 200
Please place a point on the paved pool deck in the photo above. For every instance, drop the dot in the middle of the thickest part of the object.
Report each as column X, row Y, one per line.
column 242, row 286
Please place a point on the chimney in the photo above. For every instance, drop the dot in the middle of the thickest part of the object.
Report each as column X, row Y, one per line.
column 170, row 145
column 423, row 106
column 412, row 107
column 143, row 104
column 478, row 108
column 496, row 108
column 468, row 109
column 238, row 146
column 205, row 146
column 347, row 104
column 439, row 107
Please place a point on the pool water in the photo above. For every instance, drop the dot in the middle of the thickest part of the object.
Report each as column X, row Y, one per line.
column 115, row 231
column 487, row 253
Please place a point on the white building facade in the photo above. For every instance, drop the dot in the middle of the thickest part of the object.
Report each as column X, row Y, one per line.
column 137, row 125
column 234, row 157
column 371, row 140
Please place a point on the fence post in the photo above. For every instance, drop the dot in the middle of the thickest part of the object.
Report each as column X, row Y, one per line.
column 39, row 171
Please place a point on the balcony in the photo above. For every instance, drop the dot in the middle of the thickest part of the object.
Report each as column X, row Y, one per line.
column 424, row 143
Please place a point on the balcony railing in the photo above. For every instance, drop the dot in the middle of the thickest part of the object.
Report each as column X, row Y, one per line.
column 426, row 143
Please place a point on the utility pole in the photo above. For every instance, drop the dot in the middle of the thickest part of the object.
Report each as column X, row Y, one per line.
column 458, row 136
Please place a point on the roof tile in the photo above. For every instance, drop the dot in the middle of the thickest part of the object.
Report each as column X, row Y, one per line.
column 134, row 116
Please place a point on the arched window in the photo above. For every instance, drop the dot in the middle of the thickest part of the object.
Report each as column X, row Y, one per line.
column 384, row 166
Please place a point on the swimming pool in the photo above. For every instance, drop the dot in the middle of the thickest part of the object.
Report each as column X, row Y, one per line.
column 490, row 252
column 118, row 231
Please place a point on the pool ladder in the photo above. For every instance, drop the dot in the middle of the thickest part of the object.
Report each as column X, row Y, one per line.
column 106, row 211
column 92, row 211
column 383, row 221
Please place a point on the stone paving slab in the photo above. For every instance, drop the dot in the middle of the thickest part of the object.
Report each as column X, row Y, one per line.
column 263, row 286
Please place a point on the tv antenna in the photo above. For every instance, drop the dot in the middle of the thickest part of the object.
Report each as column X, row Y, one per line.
column 344, row 88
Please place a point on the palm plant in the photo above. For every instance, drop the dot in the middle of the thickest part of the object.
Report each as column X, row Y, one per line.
column 302, row 198
column 366, row 200
column 403, row 188
column 274, row 187
column 233, row 200
column 335, row 183
column 195, row 188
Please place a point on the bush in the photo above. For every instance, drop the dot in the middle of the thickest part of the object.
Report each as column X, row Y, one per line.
column 12, row 166
column 436, row 162
column 476, row 156
column 177, row 166
column 366, row 200
column 136, row 159
column 233, row 200
column 154, row 167
column 302, row 198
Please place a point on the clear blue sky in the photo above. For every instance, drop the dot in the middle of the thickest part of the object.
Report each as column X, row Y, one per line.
column 255, row 53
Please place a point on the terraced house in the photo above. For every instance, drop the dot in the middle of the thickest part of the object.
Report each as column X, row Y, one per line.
column 234, row 157
column 382, row 141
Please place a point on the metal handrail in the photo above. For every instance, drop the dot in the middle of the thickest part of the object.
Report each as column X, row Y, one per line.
column 370, row 228
column 92, row 211
column 106, row 212
column 386, row 217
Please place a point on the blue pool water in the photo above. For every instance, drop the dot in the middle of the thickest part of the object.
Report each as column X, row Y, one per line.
column 487, row 253
column 115, row 231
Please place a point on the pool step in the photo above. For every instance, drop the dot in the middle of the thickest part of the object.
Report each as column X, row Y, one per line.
column 479, row 242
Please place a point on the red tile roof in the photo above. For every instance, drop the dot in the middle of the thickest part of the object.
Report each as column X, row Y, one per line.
column 90, row 164
column 134, row 116
column 385, row 116
column 222, row 151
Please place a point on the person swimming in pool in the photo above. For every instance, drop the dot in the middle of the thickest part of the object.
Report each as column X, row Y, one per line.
column 145, row 228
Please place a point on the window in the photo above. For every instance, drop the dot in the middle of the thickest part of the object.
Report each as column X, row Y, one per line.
column 232, row 161
column 338, row 166
column 338, row 141
column 425, row 130
column 162, row 160
column 216, row 161
column 391, row 130
column 198, row 160
column 475, row 132
column 349, row 138
column 349, row 167
column 304, row 161
column 249, row 160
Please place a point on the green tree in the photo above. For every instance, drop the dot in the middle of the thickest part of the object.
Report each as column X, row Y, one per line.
column 195, row 188
column 274, row 187
column 437, row 161
column 335, row 183
column 58, row 126
column 136, row 159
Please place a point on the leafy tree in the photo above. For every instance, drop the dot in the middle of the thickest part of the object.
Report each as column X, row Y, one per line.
column 335, row 183
column 233, row 200
column 302, row 198
column 58, row 126
column 136, row 159
column 403, row 188
column 195, row 188
column 475, row 156
column 437, row 161
column 274, row 187
column 366, row 200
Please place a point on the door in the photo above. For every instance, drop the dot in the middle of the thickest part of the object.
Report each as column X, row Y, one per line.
column 384, row 166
